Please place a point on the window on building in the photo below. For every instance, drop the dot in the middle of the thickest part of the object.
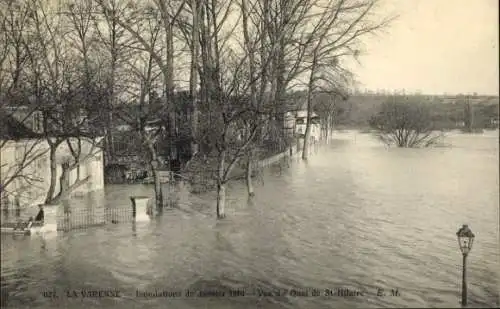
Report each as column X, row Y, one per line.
column 19, row 152
column 38, row 122
column 40, row 166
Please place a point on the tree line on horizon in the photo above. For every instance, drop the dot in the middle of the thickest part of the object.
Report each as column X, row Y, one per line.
column 356, row 111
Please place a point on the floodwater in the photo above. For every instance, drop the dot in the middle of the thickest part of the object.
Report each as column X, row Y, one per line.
column 356, row 216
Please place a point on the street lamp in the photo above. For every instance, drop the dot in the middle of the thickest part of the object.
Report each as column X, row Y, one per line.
column 465, row 240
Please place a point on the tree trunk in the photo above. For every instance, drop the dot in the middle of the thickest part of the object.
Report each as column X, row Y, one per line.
column 253, row 92
column 64, row 185
column 114, row 53
column 205, row 50
column 158, row 189
column 280, row 79
column 53, row 174
column 264, row 67
column 216, row 48
column 310, row 89
column 153, row 164
column 64, row 179
column 249, row 174
column 305, row 148
column 469, row 116
column 110, row 141
column 221, row 186
column 251, row 54
column 327, row 130
column 221, row 200
column 307, row 135
column 331, row 126
column 169, row 88
column 193, row 83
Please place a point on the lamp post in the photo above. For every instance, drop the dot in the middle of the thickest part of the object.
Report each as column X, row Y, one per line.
column 465, row 240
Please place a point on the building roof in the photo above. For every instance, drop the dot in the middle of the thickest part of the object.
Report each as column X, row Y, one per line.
column 12, row 129
column 303, row 114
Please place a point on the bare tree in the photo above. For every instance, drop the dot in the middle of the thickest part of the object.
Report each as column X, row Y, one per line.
column 250, row 44
column 231, row 118
column 193, row 79
column 269, row 42
column 326, row 105
column 15, row 78
column 47, row 63
column 469, row 116
column 61, row 94
column 284, row 23
column 82, row 36
column 146, row 73
column 14, row 39
column 405, row 123
column 231, row 130
column 80, row 91
column 4, row 53
column 17, row 169
column 21, row 149
column 14, row 24
column 168, row 14
column 116, row 43
column 335, row 35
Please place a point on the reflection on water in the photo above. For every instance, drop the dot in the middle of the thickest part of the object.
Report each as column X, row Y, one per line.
column 357, row 216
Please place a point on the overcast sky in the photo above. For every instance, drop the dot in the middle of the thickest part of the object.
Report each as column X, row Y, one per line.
column 435, row 46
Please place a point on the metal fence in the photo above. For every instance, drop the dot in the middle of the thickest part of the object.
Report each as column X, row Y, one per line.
column 8, row 215
column 84, row 218
column 72, row 219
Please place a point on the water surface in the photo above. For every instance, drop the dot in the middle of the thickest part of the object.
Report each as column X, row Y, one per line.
column 356, row 216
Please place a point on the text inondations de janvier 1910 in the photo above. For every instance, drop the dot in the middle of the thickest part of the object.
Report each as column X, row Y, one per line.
column 215, row 293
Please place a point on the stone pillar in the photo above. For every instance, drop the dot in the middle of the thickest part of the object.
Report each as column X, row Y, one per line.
column 50, row 219
column 140, row 208
column 18, row 206
column 299, row 145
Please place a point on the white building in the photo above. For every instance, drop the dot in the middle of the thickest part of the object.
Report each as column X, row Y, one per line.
column 301, row 122
column 25, row 166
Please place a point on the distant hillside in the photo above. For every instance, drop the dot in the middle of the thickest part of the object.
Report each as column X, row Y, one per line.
column 448, row 111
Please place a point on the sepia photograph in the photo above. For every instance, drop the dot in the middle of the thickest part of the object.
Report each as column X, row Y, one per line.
column 249, row 154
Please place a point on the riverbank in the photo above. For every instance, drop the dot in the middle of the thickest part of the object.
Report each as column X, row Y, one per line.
column 10, row 219
column 239, row 173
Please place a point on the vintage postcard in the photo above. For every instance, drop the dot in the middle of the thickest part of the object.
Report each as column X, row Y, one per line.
column 249, row 154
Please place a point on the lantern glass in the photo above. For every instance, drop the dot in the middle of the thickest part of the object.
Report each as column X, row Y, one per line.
column 465, row 239
column 465, row 244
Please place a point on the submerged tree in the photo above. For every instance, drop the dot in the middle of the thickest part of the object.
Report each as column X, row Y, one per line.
column 405, row 123
column 469, row 116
